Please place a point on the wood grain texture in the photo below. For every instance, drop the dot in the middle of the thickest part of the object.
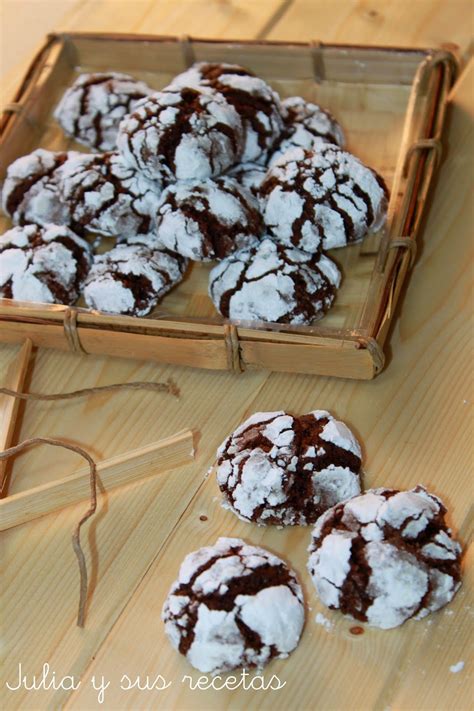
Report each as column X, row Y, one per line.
column 414, row 23
column 414, row 421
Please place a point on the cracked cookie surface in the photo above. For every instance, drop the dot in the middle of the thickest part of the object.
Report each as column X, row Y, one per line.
column 233, row 605
column 284, row 470
column 107, row 196
column 253, row 99
column 181, row 134
column 274, row 283
column 46, row 264
column 132, row 278
column 209, row 219
column 322, row 199
column 305, row 124
column 385, row 557
column 31, row 191
column 91, row 109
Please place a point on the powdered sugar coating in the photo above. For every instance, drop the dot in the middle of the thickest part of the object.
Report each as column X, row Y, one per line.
column 181, row 134
column 284, row 470
column 306, row 124
column 322, row 199
column 233, row 605
column 46, row 264
column 385, row 556
column 107, row 196
column 249, row 175
column 209, row 219
column 269, row 282
column 254, row 100
column 31, row 191
column 91, row 109
column 132, row 278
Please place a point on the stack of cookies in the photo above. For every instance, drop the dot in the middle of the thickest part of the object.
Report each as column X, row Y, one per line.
column 215, row 167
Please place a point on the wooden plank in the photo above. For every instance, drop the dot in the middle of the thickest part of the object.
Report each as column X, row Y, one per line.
column 9, row 406
column 423, row 23
column 122, row 469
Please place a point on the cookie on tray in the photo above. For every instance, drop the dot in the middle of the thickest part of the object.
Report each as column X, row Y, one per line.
column 385, row 557
column 284, row 470
column 305, row 124
column 181, row 134
column 271, row 282
column 132, row 278
column 253, row 99
column 91, row 109
column 31, row 190
column 233, row 605
column 209, row 219
column 46, row 264
column 322, row 199
column 107, row 196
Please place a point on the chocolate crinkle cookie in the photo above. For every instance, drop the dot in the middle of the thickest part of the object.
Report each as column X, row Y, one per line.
column 253, row 99
column 91, row 109
column 208, row 220
column 285, row 470
column 107, row 196
column 322, row 199
column 132, row 278
column 385, row 557
column 271, row 282
column 306, row 124
column 233, row 605
column 182, row 134
column 46, row 264
column 31, row 192
column 249, row 175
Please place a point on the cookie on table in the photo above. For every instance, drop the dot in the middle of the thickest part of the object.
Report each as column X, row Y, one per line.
column 46, row 264
column 249, row 175
column 253, row 99
column 181, row 134
column 107, row 196
column 385, row 557
column 131, row 279
column 284, row 470
column 305, row 124
column 91, row 109
column 31, row 191
column 209, row 219
column 233, row 605
column 271, row 282
column 322, row 199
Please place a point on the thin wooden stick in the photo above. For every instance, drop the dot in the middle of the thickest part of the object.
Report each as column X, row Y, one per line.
column 9, row 411
column 119, row 470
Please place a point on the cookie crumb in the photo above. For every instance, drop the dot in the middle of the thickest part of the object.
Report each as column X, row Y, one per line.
column 324, row 622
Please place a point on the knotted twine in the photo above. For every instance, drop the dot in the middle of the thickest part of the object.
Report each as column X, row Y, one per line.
column 169, row 387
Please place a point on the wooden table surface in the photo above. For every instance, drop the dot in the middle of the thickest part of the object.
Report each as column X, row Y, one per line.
column 414, row 421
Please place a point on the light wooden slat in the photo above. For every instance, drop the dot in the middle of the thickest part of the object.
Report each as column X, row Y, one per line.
column 415, row 23
column 9, row 406
column 114, row 472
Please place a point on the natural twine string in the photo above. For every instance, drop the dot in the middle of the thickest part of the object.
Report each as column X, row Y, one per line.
column 76, row 536
column 169, row 387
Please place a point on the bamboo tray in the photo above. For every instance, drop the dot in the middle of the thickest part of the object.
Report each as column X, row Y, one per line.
column 392, row 105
